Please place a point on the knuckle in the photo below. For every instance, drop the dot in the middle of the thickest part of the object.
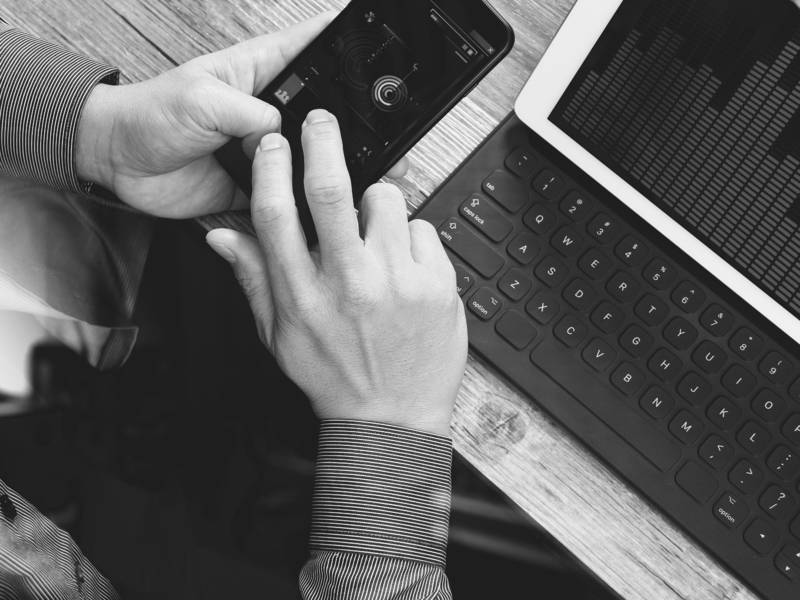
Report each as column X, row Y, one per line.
column 330, row 188
column 383, row 192
column 423, row 228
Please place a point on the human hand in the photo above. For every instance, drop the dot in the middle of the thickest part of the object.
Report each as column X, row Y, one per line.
column 369, row 329
column 153, row 143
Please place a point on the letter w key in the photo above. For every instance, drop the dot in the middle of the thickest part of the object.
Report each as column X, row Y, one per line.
column 566, row 241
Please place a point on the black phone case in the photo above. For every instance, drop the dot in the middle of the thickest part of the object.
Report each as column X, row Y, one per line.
column 239, row 166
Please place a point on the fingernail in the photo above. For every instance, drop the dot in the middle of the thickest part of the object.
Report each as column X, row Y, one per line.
column 270, row 142
column 317, row 116
column 223, row 251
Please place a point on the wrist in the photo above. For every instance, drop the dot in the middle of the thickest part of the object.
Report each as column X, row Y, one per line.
column 93, row 138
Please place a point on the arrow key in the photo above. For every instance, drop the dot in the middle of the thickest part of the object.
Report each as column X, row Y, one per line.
column 792, row 552
column 761, row 537
column 464, row 279
column 787, row 568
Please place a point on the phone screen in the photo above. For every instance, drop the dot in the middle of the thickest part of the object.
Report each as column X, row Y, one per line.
column 382, row 66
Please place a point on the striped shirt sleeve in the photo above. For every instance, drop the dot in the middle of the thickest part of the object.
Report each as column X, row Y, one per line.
column 380, row 514
column 43, row 89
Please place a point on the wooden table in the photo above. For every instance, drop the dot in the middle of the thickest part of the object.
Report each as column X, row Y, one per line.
column 587, row 508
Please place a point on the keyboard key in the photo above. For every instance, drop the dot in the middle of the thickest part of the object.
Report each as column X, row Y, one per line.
column 724, row 413
column 656, row 403
column 599, row 355
column 746, row 477
column 608, row 318
column 738, row 381
column 651, row 310
column 792, row 552
column 731, row 511
column 508, row 193
column 478, row 211
column 665, row 365
column 746, row 344
column 539, row 219
column 551, row 271
column 595, row 264
column 576, row 206
column 516, row 329
column 794, row 391
column 694, row 388
column 785, row 566
column 791, row 429
column 567, row 242
column 571, row 331
column 515, row 284
column 761, row 537
column 775, row 368
column 478, row 254
column 543, row 308
column 631, row 251
column 605, row 404
column 623, row 287
column 686, row 427
column 784, row 463
column 717, row 320
column 603, row 229
column 716, row 452
column 548, row 184
column 485, row 303
column 696, row 482
column 659, row 274
column 795, row 527
column 768, row 406
column 521, row 163
column 709, row 357
column 580, row 295
column 636, row 341
column 627, row 379
column 688, row 297
column 464, row 279
column 753, row 438
column 680, row 334
column 776, row 503
column 524, row 248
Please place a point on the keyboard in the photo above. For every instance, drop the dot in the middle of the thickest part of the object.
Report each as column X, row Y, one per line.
column 679, row 386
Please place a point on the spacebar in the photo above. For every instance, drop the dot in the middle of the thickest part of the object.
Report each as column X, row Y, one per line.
column 606, row 405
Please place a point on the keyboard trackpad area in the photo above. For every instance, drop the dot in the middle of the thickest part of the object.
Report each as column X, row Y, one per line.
column 606, row 405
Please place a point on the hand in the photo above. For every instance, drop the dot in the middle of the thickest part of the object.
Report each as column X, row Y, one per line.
column 369, row 329
column 153, row 143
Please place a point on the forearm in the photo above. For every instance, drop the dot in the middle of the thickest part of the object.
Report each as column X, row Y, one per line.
column 381, row 511
column 45, row 89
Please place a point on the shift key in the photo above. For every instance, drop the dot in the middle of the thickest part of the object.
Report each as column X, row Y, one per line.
column 455, row 234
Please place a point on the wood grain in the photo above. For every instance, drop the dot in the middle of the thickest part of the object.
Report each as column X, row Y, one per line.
column 587, row 508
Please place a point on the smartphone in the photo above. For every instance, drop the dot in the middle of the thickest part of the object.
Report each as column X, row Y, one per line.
column 389, row 70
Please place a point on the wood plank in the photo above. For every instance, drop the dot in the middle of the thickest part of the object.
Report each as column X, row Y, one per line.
column 587, row 508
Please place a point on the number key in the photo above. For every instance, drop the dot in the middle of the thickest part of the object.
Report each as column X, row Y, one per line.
column 548, row 184
column 659, row 274
column 576, row 206
column 603, row 229
column 631, row 251
column 717, row 320
column 776, row 503
column 688, row 297
column 775, row 368
column 746, row 344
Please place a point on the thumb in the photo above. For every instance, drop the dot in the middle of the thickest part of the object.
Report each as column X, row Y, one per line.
column 244, row 254
column 240, row 115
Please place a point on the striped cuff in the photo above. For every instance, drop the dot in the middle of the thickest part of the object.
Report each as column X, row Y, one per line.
column 382, row 490
column 43, row 89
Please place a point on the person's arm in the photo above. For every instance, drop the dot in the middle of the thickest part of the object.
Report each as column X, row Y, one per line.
column 373, row 331
column 380, row 517
column 45, row 88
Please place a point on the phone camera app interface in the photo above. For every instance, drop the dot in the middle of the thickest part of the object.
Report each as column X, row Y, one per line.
column 379, row 70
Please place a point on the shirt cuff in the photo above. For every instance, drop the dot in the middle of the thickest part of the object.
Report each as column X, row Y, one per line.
column 44, row 88
column 382, row 490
